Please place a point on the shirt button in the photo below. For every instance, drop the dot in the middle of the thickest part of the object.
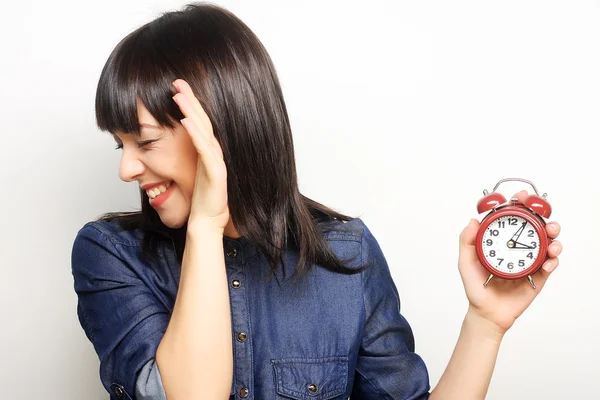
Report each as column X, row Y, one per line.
column 242, row 336
column 244, row 392
column 232, row 253
column 312, row 388
column 119, row 391
column 236, row 284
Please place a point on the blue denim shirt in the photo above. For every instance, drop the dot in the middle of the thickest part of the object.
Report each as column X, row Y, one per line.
column 333, row 336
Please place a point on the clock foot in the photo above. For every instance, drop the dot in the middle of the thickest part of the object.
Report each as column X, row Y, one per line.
column 530, row 279
column 488, row 280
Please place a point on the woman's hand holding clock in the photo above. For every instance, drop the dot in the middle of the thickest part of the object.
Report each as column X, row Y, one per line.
column 501, row 302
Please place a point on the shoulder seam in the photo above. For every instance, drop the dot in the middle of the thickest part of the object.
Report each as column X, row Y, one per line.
column 111, row 238
column 344, row 236
column 345, row 233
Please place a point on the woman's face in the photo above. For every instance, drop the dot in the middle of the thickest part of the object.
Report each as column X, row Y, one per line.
column 164, row 166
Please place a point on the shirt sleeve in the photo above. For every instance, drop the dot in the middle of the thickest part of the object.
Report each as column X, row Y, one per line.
column 120, row 315
column 387, row 365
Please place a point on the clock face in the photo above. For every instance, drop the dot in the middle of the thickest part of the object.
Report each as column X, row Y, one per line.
column 511, row 244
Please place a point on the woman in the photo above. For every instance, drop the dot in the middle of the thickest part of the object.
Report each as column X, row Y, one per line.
column 229, row 283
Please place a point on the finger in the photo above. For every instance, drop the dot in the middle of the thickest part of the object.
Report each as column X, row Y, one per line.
column 188, row 98
column 540, row 278
column 542, row 275
column 185, row 89
column 217, row 149
column 200, row 141
column 189, row 113
column 550, row 265
column 207, row 153
column 205, row 141
column 521, row 196
column 191, row 102
column 467, row 238
column 553, row 229
column 555, row 249
column 469, row 233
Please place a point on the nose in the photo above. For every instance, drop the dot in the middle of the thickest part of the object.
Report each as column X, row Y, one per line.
column 131, row 166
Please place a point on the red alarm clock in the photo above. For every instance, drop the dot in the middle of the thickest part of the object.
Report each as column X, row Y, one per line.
column 512, row 242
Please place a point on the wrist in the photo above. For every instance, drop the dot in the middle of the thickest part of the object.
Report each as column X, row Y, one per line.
column 482, row 327
column 204, row 227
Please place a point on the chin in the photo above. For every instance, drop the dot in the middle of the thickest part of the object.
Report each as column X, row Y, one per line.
column 173, row 223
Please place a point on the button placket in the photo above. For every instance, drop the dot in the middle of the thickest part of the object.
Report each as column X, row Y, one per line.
column 243, row 372
column 232, row 252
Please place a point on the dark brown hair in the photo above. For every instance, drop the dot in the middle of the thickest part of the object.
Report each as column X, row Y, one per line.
column 232, row 75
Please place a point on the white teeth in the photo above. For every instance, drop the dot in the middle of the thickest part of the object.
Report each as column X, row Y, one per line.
column 157, row 191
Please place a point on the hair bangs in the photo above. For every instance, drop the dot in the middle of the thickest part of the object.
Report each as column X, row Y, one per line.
column 136, row 71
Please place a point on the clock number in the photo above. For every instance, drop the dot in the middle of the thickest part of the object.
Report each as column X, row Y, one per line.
column 521, row 263
column 489, row 242
column 512, row 221
column 529, row 233
column 494, row 232
column 500, row 224
column 510, row 266
column 529, row 255
column 533, row 245
column 501, row 259
column 492, row 253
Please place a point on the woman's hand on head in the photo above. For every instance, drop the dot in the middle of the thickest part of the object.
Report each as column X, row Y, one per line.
column 209, row 202
column 502, row 301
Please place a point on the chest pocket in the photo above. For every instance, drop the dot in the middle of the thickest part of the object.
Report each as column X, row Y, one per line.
column 311, row 378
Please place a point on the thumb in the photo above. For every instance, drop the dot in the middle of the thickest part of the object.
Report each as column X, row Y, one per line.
column 468, row 235
column 467, row 253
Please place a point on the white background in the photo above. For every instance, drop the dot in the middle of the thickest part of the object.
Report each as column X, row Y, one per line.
column 402, row 113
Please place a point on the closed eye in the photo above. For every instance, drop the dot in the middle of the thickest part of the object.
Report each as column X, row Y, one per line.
column 119, row 146
column 145, row 143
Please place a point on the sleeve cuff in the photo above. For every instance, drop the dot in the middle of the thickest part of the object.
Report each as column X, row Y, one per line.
column 149, row 383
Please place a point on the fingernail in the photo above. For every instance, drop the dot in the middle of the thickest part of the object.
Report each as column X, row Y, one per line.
column 548, row 267
column 175, row 86
column 556, row 249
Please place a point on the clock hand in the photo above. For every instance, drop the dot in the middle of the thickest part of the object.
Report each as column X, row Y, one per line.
column 522, row 228
column 513, row 240
column 518, row 232
column 524, row 246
